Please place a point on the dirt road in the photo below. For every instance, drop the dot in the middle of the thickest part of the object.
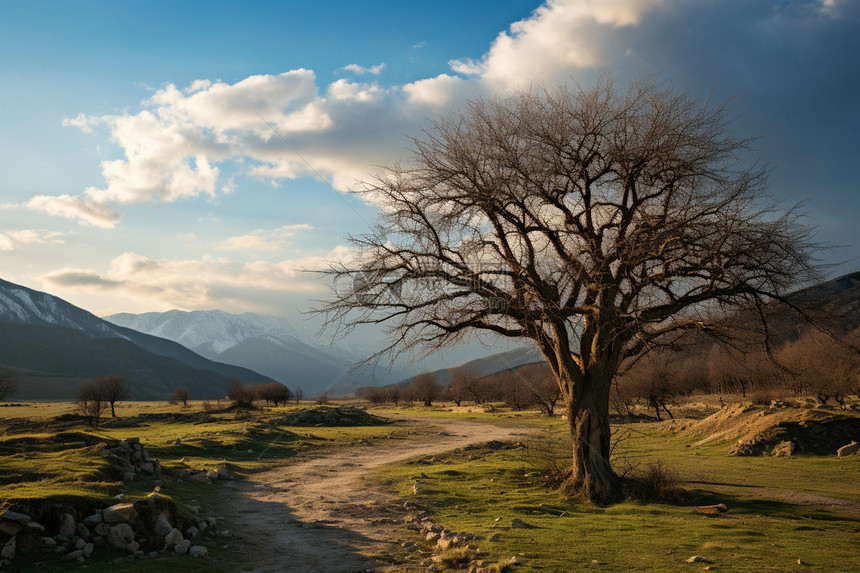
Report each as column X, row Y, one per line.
column 325, row 514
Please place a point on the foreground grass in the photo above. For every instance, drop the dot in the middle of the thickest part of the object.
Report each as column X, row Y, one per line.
column 481, row 491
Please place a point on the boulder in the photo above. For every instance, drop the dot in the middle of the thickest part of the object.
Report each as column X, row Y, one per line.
column 120, row 513
column 67, row 525
column 198, row 551
column 133, row 547
column 162, row 527
column 182, row 547
column 73, row 555
column 82, row 530
column 8, row 551
column 80, row 543
column 698, row 559
column 120, row 535
column 172, row 539
column 102, row 529
column 93, row 519
column 191, row 532
column 146, row 468
column 224, row 472
column 848, row 450
column 87, row 550
column 783, row 449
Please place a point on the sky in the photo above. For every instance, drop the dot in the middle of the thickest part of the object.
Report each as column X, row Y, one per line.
column 159, row 155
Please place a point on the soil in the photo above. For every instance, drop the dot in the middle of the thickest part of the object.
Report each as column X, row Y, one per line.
column 325, row 514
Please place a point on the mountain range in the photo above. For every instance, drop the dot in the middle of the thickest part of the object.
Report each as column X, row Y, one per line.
column 53, row 345
column 270, row 345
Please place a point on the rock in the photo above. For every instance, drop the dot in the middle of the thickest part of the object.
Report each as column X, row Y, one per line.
column 8, row 551
column 224, row 472
column 87, row 550
column 162, row 527
column 120, row 535
column 520, row 524
column 445, row 543
column 35, row 527
column 14, row 516
column 432, row 536
column 133, row 547
column 73, row 555
column 198, row 551
column 82, row 530
column 102, row 529
column 172, row 539
column 120, row 513
column 202, row 525
column 783, row 449
column 80, row 543
column 199, row 476
column 698, row 559
column 211, row 475
column 49, row 541
column 146, row 468
column 191, row 532
column 494, row 538
column 128, row 476
column 848, row 450
column 93, row 519
column 67, row 525
column 182, row 546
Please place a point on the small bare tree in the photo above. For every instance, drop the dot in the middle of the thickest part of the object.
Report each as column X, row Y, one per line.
column 112, row 389
column 8, row 383
column 90, row 400
column 597, row 223
column 181, row 394
column 425, row 388
column 299, row 395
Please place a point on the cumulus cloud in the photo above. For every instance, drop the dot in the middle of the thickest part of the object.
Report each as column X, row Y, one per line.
column 264, row 240
column 285, row 126
column 361, row 70
column 6, row 243
column 201, row 284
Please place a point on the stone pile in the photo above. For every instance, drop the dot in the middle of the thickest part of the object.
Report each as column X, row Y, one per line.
column 448, row 549
column 130, row 458
column 330, row 416
column 154, row 524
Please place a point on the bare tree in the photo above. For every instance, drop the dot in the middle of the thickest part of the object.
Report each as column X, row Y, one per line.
column 299, row 395
column 596, row 222
column 425, row 388
column 275, row 392
column 542, row 385
column 181, row 394
column 463, row 384
column 242, row 395
column 90, row 400
column 8, row 383
column 112, row 389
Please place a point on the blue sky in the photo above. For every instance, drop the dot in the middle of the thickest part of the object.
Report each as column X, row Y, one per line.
column 137, row 172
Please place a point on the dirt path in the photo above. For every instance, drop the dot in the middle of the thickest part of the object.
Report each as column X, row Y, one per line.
column 324, row 514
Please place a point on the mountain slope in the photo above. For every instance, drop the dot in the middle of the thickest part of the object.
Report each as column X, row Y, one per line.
column 53, row 345
column 267, row 344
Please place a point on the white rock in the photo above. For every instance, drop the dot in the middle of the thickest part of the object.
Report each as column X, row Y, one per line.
column 198, row 551
column 120, row 513
column 93, row 519
column 67, row 525
column 698, row 559
column 191, row 532
column 182, row 546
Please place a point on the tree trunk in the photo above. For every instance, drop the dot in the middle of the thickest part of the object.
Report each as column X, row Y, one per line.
column 587, row 411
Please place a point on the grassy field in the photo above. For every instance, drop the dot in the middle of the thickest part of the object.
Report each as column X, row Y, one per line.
column 481, row 492
column 478, row 491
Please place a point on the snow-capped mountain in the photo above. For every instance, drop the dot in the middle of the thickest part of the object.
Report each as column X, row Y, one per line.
column 267, row 344
column 53, row 345
column 22, row 305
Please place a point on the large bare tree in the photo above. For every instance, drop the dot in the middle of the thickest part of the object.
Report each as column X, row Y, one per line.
column 596, row 222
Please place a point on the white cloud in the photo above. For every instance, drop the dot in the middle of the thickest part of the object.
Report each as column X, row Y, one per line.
column 83, row 209
column 211, row 282
column 6, row 243
column 360, row 70
column 264, row 240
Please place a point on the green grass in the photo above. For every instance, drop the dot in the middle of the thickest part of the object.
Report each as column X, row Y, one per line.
column 481, row 492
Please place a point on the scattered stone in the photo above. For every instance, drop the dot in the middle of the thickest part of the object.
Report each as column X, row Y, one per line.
column 120, row 513
column 102, row 529
column 67, row 525
column 848, row 450
column 120, row 535
column 49, row 541
column 93, row 519
column 133, row 547
column 698, row 559
column 162, row 527
column 783, row 449
column 191, row 532
column 198, row 551
column 73, row 555
column 224, row 472
column 87, row 550
column 82, row 530
column 182, row 547
column 172, row 539
column 432, row 536
column 80, row 543
column 8, row 551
